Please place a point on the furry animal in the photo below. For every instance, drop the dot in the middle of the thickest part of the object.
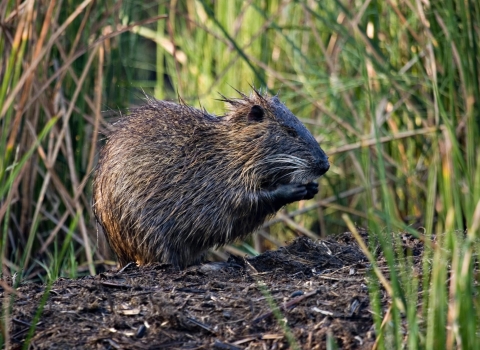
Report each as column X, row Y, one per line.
column 173, row 181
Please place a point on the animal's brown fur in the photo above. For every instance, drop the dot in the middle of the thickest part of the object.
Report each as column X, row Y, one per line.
column 173, row 181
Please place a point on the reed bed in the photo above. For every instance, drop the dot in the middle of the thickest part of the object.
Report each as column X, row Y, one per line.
column 390, row 89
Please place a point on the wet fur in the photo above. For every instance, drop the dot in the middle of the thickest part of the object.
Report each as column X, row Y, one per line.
column 173, row 181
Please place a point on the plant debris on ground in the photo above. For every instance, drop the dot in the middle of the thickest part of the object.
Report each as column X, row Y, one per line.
column 304, row 291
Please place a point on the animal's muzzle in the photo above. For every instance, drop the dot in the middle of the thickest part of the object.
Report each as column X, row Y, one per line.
column 322, row 167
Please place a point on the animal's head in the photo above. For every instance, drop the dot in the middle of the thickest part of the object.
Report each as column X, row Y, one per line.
column 284, row 151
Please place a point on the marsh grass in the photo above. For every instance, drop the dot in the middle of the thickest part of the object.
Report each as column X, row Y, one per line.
column 390, row 89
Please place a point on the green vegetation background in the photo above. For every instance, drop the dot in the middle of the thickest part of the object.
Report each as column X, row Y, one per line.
column 389, row 88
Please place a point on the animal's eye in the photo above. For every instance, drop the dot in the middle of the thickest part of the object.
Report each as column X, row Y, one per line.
column 291, row 132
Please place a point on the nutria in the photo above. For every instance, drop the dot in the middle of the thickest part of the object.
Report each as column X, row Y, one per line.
column 173, row 181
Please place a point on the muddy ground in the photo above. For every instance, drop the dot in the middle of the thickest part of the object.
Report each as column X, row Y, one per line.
column 319, row 287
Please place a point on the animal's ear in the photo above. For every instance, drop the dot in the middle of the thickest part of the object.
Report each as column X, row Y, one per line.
column 256, row 114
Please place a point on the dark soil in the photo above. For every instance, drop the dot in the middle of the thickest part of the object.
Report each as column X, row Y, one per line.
column 320, row 288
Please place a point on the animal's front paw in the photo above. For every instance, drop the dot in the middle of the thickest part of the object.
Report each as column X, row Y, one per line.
column 312, row 190
column 289, row 193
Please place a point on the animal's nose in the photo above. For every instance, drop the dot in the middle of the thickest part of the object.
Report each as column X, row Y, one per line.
column 323, row 166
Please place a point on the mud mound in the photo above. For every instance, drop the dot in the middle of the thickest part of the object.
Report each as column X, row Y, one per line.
column 303, row 292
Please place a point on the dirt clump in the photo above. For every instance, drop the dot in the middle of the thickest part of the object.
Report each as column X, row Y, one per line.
column 307, row 289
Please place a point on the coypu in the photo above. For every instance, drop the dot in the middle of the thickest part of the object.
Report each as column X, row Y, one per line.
column 173, row 181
